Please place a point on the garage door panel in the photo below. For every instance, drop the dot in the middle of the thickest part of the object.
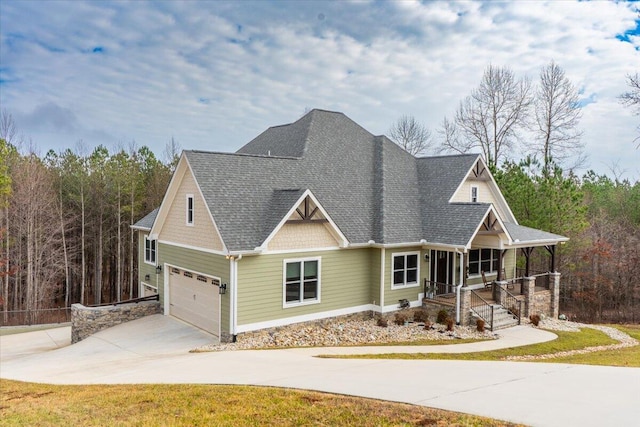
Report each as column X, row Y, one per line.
column 195, row 301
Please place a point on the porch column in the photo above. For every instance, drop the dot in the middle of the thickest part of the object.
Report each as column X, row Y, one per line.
column 529, row 290
column 499, row 291
column 465, row 306
column 554, row 290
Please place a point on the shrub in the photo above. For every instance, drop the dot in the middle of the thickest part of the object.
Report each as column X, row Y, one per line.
column 382, row 322
column 400, row 318
column 427, row 325
column 480, row 325
column 535, row 319
column 442, row 316
column 450, row 324
column 420, row 316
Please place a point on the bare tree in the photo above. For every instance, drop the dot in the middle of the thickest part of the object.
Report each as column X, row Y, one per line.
column 411, row 135
column 491, row 117
column 557, row 117
column 632, row 97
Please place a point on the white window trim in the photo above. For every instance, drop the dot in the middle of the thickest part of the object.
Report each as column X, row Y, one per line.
column 480, row 260
column 477, row 194
column 286, row 304
column 147, row 238
column 193, row 210
column 406, row 285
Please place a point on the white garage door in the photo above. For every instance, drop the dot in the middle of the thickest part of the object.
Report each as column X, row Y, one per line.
column 195, row 299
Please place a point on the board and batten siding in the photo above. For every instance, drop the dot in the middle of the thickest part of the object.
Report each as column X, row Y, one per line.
column 202, row 233
column 201, row 262
column 345, row 280
column 392, row 296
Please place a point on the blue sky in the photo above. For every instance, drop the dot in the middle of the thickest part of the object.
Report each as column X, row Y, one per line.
column 213, row 75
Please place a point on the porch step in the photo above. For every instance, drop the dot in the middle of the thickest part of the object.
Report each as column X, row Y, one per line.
column 502, row 318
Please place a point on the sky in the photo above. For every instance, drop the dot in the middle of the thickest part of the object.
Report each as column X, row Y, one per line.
column 215, row 74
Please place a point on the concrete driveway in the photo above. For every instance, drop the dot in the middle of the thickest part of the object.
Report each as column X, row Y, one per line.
column 155, row 350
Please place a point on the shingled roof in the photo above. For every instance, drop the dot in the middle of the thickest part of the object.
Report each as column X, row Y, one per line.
column 371, row 188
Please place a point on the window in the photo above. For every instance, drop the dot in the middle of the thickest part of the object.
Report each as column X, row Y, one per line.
column 301, row 281
column 474, row 194
column 405, row 271
column 189, row 209
column 486, row 260
column 149, row 250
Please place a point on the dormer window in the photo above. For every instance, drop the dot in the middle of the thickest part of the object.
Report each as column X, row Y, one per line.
column 189, row 209
column 474, row 194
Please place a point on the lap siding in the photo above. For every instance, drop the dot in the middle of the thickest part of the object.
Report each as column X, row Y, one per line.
column 345, row 282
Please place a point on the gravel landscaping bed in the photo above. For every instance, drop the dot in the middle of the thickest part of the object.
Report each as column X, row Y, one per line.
column 349, row 332
column 623, row 339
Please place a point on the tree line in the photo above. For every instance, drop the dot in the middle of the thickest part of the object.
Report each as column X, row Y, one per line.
column 66, row 219
column 529, row 136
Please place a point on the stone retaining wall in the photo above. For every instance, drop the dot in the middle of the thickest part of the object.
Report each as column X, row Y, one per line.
column 86, row 321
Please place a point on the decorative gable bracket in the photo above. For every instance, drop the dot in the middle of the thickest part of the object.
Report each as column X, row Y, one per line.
column 307, row 214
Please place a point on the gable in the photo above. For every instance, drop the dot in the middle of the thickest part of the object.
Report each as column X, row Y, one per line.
column 306, row 226
column 172, row 226
column 486, row 189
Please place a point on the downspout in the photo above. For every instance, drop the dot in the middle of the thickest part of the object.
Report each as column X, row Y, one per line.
column 382, row 255
column 459, row 286
column 233, row 304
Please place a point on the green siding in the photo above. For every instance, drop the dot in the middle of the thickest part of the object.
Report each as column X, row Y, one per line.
column 202, row 262
column 345, row 280
column 374, row 262
column 143, row 267
column 509, row 264
column 392, row 296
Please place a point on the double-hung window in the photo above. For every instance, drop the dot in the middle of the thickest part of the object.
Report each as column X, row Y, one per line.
column 189, row 209
column 149, row 250
column 301, row 281
column 486, row 260
column 406, row 269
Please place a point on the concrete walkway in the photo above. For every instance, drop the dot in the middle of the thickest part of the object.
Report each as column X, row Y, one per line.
column 155, row 350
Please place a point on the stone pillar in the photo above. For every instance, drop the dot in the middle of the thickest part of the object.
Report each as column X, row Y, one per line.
column 465, row 306
column 500, row 293
column 529, row 291
column 554, row 290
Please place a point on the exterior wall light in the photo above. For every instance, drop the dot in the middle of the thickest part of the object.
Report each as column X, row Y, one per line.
column 158, row 269
column 223, row 289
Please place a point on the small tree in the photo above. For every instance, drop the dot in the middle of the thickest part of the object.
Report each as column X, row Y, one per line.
column 632, row 97
column 411, row 135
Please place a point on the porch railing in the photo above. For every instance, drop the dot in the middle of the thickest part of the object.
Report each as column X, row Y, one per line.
column 482, row 308
column 542, row 277
column 511, row 303
column 433, row 289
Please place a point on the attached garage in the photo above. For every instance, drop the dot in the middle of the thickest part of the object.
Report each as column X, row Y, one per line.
column 195, row 299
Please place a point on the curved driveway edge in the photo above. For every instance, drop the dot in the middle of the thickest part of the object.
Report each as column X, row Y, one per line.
column 539, row 394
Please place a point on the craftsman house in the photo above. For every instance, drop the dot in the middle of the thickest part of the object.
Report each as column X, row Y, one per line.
column 320, row 218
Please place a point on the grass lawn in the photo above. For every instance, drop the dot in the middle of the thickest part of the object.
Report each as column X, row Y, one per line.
column 623, row 357
column 566, row 341
column 191, row 405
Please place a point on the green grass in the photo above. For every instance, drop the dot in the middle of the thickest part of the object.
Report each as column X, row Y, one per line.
column 190, row 405
column 566, row 341
column 629, row 357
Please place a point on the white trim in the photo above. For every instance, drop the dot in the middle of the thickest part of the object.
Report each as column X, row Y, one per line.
column 286, row 304
column 195, row 248
column 504, row 229
column 477, row 191
column 155, row 252
column 304, row 318
column 188, row 197
column 343, row 240
column 391, row 269
column 382, row 274
column 396, row 307
column 139, row 228
column 170, row 194
column 142, row 285
column 500, row 197
column 295, row 251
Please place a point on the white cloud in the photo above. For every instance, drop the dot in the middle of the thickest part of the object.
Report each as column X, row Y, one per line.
column 215, row 74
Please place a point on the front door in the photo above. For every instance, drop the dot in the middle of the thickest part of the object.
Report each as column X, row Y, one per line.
column 442, row 264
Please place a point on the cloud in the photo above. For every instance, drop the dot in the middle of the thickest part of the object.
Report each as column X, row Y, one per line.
column 215, row 74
